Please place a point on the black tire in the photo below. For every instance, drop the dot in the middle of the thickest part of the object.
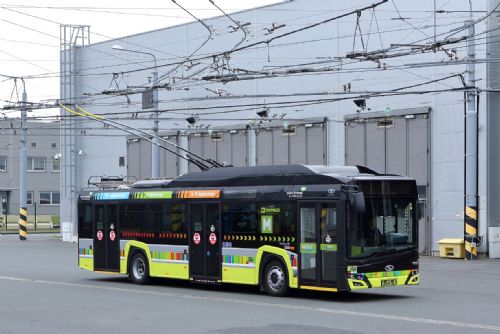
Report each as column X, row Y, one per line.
column 139, row 269
column 275, row 279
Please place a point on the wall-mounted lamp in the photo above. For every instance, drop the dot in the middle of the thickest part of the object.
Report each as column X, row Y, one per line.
column 263, row 113
column 191, row 120
column 360, row 103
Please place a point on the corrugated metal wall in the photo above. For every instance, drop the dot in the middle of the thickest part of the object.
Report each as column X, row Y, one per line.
column 301, row 144
column 304, row 144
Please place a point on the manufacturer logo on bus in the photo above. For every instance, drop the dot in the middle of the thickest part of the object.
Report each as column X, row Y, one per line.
column 389, row 267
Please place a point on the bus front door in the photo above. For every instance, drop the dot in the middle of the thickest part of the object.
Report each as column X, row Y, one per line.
column 106, row 241
column 318, row 245
column 204, row 245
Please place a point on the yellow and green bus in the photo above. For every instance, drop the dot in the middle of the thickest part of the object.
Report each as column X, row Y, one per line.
column 279, row 227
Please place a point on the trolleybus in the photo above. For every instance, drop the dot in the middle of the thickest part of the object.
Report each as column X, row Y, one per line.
column 279, row 227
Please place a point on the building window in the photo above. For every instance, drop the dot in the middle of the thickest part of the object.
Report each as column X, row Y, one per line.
column 121, row 162
column 56, row 165
column 36, row 164
column 49, row 198
column 3, row 164
column 54, row 145
column 29, row 198
column 33, row 145
column 288, row 130
column 385, row 123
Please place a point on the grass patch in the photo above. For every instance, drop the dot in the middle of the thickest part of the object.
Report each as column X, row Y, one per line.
column 56, row 221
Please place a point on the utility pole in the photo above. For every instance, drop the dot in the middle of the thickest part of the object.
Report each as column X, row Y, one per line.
column 155, row 149
column 23, row 171
column 471, row 153
column 252, row 147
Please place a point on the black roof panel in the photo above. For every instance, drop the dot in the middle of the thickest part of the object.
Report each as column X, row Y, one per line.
column 253, row 176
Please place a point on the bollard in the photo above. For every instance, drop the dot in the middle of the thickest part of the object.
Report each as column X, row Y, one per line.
column 23, row 225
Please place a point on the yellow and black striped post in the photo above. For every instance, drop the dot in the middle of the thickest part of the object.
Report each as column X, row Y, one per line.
column 470, row 232
column 23, row 223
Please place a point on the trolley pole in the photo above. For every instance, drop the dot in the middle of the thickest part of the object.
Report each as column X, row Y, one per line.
column 471, row 154
column 23, row 171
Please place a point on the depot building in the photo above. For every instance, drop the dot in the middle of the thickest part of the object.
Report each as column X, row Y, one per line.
column 293, row 84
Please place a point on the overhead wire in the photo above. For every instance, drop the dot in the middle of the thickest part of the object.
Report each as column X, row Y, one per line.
column 280, row 104
column 56, row 74
column 267, row 41
column 188, row 58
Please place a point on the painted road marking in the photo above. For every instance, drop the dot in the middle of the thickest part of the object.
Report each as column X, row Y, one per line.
column 263, row 304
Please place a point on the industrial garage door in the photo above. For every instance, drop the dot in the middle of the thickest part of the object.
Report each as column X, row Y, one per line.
column 397, row 142
column 139, row 159
column 296, row 144
column 229, row 147
column 299, row 144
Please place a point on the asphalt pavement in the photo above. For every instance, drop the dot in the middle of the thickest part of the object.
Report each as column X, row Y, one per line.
column 43, row 291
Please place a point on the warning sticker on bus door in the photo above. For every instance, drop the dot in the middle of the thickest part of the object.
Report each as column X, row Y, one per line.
column 196, row 238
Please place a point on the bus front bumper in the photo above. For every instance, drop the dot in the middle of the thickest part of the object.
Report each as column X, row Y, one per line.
column 358, row 281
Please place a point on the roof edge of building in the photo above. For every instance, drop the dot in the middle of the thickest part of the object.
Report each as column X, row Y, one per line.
column 281, row 2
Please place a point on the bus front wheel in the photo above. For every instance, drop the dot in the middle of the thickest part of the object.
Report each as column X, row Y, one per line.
column 275, row 279
column 139, row 271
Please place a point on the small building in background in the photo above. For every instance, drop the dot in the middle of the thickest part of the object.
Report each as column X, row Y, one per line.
column 44, row 166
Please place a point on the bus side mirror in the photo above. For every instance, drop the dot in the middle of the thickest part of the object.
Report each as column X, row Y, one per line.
column 357, row 201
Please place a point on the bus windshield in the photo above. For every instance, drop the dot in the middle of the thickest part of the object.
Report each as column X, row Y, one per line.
column 386, row 226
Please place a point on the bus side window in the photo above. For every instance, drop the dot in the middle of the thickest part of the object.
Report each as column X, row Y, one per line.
column 328, row 219
column 282, row 216
column 239, row 217
column 137, row 218
column 171, row 218
column 85, row 221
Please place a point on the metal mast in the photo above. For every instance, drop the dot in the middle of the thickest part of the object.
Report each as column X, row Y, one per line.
column 23, row 171
column 471, row 153
column 71, row 38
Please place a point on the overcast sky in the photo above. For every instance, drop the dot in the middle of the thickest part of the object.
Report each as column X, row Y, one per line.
column 29, row 38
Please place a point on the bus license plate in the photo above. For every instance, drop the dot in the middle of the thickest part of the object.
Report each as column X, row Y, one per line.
column 389, row 282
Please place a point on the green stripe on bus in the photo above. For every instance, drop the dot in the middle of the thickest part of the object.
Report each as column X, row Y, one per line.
column 153, row 195
column 328, row 247
column 307, row 248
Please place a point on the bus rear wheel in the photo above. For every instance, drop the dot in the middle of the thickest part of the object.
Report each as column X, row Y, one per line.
column 139, row 271
column 275, row 279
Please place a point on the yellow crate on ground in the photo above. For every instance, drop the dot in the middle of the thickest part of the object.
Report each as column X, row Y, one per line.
column 452, row 248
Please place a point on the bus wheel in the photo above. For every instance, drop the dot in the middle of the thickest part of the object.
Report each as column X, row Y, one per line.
column 139, row 270
column 275, row 279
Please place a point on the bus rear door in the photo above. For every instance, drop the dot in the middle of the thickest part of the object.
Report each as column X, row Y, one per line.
column 204, row 243
column 106, row 241
column 318, row 245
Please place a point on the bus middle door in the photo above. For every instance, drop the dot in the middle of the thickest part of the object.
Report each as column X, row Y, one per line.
column 204, row 243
